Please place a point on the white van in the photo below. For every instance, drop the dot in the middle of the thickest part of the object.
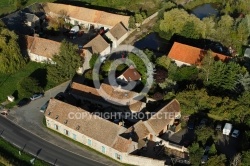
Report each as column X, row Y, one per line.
column 227, row 128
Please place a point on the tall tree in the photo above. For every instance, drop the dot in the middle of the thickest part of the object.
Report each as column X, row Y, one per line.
column 245, row 158
column 11, row 58
column 28, row 86
column 217, row 160
column 66, row 63
column 203, row 134
column 195, row 154
column 220, row 76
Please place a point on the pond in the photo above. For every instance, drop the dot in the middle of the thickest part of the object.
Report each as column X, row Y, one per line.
column 153, row 42
column 205, row 10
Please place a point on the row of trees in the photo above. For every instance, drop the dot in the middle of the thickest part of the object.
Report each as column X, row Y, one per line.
column 230, row 31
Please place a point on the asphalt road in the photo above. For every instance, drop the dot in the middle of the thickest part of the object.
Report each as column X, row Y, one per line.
column 38, row 147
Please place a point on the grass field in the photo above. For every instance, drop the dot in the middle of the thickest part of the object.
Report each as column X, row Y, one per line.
column 8, row 82
column 9, row 155
column 8, row 6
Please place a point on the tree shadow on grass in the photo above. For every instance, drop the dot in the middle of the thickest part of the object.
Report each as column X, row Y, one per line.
column 41, row 76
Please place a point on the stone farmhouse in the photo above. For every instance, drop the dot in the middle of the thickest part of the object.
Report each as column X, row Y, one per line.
column 138, row 145
column 40, row 49
column 30, row 20
column 84, row 16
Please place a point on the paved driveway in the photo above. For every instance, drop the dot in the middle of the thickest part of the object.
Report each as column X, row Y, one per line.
column 30, row 118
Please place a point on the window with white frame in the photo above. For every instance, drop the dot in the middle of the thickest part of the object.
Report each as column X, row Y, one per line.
column 89, row 142
column 74, row 136
column 103, row 149
column 118, row 156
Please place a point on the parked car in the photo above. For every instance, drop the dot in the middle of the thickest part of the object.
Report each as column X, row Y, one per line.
column 190, row 125
column 44, row 107
column 227, row 129
column 60, row 96
column 218, row 127
column 203, row 122
column 36, row 96
column 235, row 133
column 204, row 159
column 23, row 102
column 207, row 148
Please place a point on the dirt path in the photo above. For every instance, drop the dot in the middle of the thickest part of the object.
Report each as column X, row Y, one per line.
column 144, row 30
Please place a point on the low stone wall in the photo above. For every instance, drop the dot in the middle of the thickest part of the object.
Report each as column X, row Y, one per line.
column 172, row 146
column 143, row 161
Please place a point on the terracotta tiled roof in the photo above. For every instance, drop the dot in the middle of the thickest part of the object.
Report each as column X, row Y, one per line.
column 42, row 47
column 90, row 125
column 118, row 30
column 122, row 144
column 85, row 14
column 131, row 74
column 163, row 117
column 189, row 54
column 98, row 44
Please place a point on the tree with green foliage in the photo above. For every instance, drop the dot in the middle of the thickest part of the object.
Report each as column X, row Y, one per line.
column 65, row 63
column 204, row 133
column 106, row 67
column 28, row 86
column 184, row 73
column 131, row 22
column 10, row 55
column 212, row 150
column 163, row 61
column 240, row 113
column 93, row 60
column 138, row 18
column 193, row 101
column 245, row 158
column 177, row 21
column 139, row 65
column 217, row 160
column 189, row 31
column 150, row 55
column 220, row 76
column 195, row 154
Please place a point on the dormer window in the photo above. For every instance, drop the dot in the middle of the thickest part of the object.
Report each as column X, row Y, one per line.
column 57, row 116
column 66, row 121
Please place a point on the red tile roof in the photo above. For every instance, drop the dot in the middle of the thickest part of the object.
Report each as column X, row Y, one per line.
column 131, row 74
column 190, row 55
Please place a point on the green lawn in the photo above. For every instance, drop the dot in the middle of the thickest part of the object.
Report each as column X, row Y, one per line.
column 9, row 155
column 8, row 82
